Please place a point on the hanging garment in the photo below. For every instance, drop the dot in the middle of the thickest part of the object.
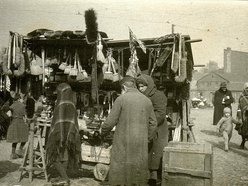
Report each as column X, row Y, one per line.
column 133, row 69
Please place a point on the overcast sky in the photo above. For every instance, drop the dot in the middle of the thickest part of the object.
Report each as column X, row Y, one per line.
column 220, row 24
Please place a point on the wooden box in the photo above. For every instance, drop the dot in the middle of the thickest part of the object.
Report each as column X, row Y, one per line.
column 187, row 164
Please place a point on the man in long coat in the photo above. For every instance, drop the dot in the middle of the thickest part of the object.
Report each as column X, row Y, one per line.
column 222, row 98
column 135, row 122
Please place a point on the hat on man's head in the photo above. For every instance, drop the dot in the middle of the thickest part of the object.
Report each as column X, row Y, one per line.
column 128, row 81
column 223, row 85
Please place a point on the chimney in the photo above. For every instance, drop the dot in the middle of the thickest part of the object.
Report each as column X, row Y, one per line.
column 227, row 59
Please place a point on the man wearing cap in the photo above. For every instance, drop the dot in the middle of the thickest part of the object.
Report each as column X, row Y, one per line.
column 222, row 98
column 135, row 122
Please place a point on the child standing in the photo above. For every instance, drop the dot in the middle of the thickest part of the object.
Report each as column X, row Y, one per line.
column 225, row 126
column 18, row 129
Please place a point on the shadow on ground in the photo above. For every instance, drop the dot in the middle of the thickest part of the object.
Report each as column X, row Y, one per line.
column 233, row 147
column 7, row 167
column 210, row 132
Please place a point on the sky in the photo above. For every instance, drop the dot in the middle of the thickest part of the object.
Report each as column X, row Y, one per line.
column 220, row 24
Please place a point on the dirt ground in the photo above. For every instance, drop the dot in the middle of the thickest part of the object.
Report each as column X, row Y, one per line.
column 230, row 168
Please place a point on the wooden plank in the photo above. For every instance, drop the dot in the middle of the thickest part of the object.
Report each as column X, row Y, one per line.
column 207, row 162
column 203, row 174
column 188, row 151
column 184, row 119
column 206, row 148
column 173, row 179
column 188, row 164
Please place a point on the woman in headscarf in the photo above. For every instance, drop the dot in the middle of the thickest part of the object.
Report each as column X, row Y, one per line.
column 147, row 86
column 242, row 115
column 222, row 98
column 63, row 144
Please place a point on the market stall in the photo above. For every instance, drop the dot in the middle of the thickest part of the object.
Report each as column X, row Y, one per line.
column 93, row 70
column 93, row 64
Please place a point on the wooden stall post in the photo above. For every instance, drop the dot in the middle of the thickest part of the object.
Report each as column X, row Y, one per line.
column 119, row 64
column 184, row 120
column 43, row 67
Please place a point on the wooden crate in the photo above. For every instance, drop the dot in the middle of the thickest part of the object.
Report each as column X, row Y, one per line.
column 187, row 164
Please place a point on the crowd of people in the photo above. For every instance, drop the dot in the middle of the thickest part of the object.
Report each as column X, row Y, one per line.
column 223, row 117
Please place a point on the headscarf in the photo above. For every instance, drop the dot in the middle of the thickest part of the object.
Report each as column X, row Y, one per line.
column 245, row 92
column 245, row 85
column 64, row 132
column 147, row 81
column 223, row 85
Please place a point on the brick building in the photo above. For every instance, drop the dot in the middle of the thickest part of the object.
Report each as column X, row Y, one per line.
column 235, row 61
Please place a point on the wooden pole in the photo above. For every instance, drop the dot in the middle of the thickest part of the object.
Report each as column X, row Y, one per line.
column 31, row 150
column 43, row 67
column 172, row 28
column 184, row 123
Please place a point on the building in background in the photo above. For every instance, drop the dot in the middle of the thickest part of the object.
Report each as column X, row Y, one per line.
column 235, row 61
column 210, row 82
column 234, row 73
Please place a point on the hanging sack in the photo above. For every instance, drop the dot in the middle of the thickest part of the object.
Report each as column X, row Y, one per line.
column 7, row 59
column 26, row 55
column 68, row 66
column 2, row 52
column 108, row 75
column 80, row 75
column 133, row 69
column 74, row 70
column 21, row 68
column 63, row 65
column 35, row 68
column 115, row 75
column 99, row 54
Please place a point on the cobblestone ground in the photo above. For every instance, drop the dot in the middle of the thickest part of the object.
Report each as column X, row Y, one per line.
column 230, row 168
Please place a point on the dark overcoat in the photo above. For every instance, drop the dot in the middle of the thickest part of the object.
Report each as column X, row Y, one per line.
column 219, row 106
column 159, row 102
column 243, row 106
column 135, row 122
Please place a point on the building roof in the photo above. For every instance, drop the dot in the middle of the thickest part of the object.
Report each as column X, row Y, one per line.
column 235, row 81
